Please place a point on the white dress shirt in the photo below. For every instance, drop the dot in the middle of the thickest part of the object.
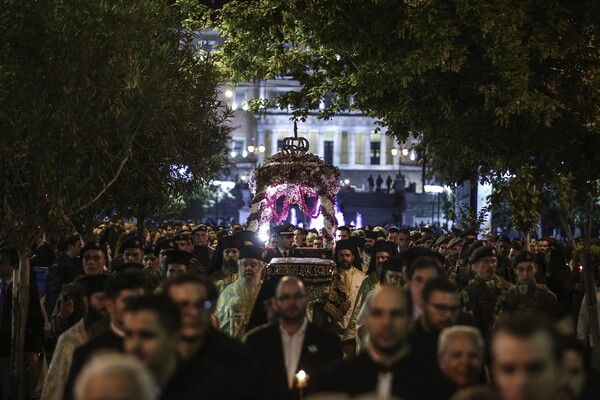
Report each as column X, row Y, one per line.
column 292, row 348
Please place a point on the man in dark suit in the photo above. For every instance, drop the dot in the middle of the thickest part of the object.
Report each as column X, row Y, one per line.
column 388, row 366
column 214, row 366
column 285, row 242
column 293, row 344
column 120, row 288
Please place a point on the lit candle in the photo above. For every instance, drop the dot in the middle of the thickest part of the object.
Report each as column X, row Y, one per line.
column 301, row 381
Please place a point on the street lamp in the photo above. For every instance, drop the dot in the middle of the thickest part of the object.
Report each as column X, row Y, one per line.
column 256, row 150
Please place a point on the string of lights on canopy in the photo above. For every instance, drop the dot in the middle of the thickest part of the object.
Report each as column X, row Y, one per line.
column 296, row 177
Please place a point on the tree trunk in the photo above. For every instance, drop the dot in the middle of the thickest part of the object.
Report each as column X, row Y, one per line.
column 528, row 240
column 20, row 310
column 589, row 282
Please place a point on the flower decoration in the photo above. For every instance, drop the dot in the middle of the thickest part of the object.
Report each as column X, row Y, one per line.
column 296, row 177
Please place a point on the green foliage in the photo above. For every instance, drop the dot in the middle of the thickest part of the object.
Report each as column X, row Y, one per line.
column 98, row 102
column 470, row 218
column 523, row 195
column 490, row 85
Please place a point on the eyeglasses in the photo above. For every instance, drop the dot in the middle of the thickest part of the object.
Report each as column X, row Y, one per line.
column 287, row 297
column 445, row 308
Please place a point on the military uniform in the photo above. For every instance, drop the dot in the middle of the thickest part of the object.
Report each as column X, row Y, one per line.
column 522, row 296
column 480, row 298
column 461, row 275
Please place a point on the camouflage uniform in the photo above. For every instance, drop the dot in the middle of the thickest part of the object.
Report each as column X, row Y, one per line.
column 461, row 275
column 522, row 296
column 480, row 297
column 154, row 278
column 196, row 267
column 73, row 291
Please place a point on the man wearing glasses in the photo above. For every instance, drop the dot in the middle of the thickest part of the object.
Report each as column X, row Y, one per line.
column 213, row 365
column 440, row 309
column 292, row 344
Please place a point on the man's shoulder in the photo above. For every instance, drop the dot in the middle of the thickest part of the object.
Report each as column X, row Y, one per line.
column 316, row 330
column 261, row 333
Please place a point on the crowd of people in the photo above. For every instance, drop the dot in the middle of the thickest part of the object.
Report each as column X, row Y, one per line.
column 187, row 311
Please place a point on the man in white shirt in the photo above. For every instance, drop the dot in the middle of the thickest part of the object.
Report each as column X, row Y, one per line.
column 293, row 340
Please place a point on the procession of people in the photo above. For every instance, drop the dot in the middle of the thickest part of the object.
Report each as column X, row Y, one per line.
column 170, row 313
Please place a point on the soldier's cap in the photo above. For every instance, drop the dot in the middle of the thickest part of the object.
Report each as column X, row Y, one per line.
column 94, row 246
column 414, row 253
column 163, row 243
column 455, row 242
column 474, row 246
column 468, row 232
column 384, row 246
column 178, row 257
column 201, row 228
column 124, row 267
column 523, row 256
column 93, row 284
column 481, row 252
column 381, row 231
column 394, row 263
column 251, row 252
column 371, row 235
column 415, row 235
column 245, row 237
column 358, row 232
column 71, row 240
column 133, row 242
column 455, row 231
column 442, row 240
column 393, row 229
column 358, row 242
column 183, row 236
column 282, row 230
column 426, row 229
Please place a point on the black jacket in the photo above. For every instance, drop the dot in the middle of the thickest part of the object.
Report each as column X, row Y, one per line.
column 320, row 347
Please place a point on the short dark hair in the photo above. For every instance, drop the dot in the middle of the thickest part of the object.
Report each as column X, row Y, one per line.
column 343, row 228
column 128, row 279
column 425, row 262
column 182, row 279
column 168, row 314
column 404, row 231
column 438, row 284
column 9, row 256
column 525, row 325
column 571, row 343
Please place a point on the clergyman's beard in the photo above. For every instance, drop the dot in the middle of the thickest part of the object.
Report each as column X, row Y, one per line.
column 230, row 266
column 91, row 317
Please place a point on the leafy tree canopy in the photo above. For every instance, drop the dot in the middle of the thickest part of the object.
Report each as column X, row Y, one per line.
column 100, row 102
column 490, row 86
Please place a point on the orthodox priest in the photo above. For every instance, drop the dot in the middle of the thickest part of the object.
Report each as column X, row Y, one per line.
column 237, row 300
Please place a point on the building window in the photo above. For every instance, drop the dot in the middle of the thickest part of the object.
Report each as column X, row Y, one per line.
column 328, row 151
column 237, row 148
column 375, row 153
